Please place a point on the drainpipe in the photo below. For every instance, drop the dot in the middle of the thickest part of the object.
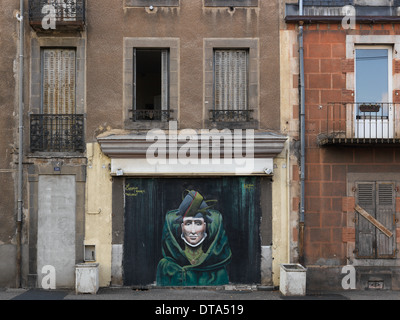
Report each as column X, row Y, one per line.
column 20, row 145
column 302, row 138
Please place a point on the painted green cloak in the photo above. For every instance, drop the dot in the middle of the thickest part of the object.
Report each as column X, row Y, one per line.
column 175, row 269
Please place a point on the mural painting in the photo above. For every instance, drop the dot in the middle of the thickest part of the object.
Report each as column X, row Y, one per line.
column 195, row 246
column 192, row 232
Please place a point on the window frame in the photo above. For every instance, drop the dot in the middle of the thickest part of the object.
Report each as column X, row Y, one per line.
column 374, row 210
column 170, row 44
column 42, row 57
column 164, row 68
column 354, row 177
column 214, row 106
column 37, row 44
column 253, row 85
column 375, row 41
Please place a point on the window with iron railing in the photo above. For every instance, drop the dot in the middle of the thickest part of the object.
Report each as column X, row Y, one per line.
column 150, row 85
column 57, row 128
column 230, row 86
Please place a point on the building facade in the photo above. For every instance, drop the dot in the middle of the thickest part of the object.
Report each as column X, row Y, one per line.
column 152, row 143
column 9, row 148
column 349, row 85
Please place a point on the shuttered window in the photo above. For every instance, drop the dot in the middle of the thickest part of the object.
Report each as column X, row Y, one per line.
column 58, row 81
column 230, row 79
column 378, row 200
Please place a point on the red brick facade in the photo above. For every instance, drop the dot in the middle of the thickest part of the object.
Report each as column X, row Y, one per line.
column 328, row 203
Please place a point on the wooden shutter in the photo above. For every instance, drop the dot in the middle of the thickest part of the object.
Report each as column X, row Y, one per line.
column 377, row 199
column 385, row 214
column 365, row 235
column 230, row 78
column 58, row 81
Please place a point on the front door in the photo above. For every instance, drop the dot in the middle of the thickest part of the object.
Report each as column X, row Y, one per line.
column 56, row 228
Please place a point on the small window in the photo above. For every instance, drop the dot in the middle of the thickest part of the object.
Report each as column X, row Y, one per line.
column 151, row 85
column 377, row 199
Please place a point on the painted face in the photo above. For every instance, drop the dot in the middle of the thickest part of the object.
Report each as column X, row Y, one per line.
column 193, row 230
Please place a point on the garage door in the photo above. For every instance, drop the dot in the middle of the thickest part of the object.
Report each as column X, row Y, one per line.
column 192, row 232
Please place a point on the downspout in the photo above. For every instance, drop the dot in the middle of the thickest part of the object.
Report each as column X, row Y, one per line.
column 20, row 145
column 302, row 138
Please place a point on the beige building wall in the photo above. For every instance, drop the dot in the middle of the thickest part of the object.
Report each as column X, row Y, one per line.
column 191, row 24
column 98, row 215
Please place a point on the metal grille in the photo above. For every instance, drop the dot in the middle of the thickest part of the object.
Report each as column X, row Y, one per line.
column 57, row 133
column 151, row 115
column 360, row 123
column 231, row 115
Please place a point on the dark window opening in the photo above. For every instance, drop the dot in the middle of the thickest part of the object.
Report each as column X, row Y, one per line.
column 151, row 84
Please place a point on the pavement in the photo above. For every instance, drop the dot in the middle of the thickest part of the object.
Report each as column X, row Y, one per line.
column 191, row 294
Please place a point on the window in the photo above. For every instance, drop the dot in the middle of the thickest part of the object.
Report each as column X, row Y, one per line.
column 58, row 81
column 374, row 110
column 150, row 84
column 377, row 199
column 57, row 127
column 231, row 83
column 230, row 80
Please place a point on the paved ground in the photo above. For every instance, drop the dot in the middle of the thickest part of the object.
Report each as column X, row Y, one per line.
column 180, row 294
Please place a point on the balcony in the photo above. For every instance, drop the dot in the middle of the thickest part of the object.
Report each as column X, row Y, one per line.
column 57, row 133
column 151, row 115
column 361, row 123
column 57, row 15
column 231, row 115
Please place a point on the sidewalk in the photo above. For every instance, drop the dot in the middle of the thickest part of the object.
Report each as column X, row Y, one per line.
column 181, row 294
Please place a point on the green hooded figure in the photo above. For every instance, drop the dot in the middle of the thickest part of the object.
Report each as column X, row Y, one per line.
column 195, row 246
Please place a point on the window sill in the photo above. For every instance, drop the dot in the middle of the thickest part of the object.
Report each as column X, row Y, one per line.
column 146, row 125
column 155, row 3
column 253, row 124
column 231, row 3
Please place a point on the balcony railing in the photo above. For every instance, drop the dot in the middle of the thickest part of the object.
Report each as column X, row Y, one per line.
column 151, row 115
column 57, row 133
column 231, row 115
column 57, row 15
column 361, row 123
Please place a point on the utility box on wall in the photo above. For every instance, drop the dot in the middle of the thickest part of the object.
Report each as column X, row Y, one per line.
column 87, row 278
column 293, row 280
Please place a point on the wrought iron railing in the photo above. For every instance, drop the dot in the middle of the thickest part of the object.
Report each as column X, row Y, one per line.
column 360, row 123
column 231, row 115
column 68, row 14
column 151, row 115
column 57, row 133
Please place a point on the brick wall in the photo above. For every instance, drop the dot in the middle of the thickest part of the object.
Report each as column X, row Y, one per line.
column 327, row 201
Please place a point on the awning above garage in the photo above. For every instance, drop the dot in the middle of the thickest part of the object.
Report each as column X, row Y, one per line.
column 190, row 152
